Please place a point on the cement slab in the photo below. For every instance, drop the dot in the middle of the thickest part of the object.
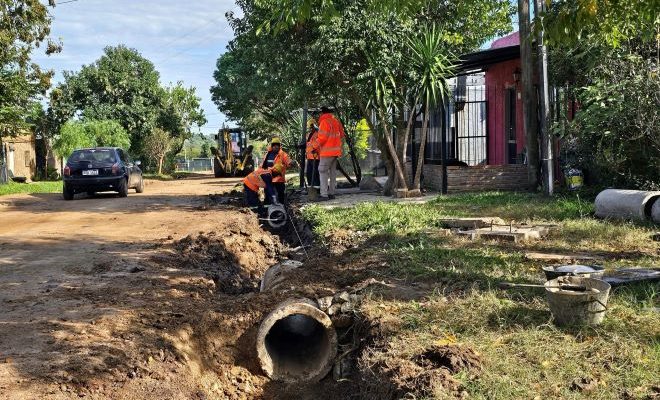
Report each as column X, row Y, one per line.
column 564, row 257
column 513, row 234
column 471, row 223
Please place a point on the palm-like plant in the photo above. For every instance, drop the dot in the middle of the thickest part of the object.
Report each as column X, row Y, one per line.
column 432, row 66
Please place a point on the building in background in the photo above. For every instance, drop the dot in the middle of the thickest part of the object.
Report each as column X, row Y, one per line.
column 20, row 156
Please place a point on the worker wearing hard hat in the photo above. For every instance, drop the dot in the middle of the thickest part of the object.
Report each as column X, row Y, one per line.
column 276, row 155
column 331, row 133
column 312, row 154
column 261, row 178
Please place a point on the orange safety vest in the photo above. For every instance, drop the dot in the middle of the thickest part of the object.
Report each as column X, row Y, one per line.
column 312, row 149
column 254, row 181
column 330, row 135
column 281, row 158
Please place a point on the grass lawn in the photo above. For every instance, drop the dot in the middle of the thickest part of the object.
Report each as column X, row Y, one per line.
column 525, row 356
column 34, row 187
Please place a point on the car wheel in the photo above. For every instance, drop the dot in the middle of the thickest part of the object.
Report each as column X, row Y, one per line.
column 68, row 193
column 123, row 188
column 140, row 187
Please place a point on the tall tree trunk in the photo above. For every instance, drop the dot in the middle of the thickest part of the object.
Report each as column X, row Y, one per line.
column 401, row 141
column 160, row 165
column 422, row 145
column 382, row 143
column 392, row 150
column 528, row 96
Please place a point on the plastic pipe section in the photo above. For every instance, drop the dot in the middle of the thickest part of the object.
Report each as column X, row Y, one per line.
column 296, row 342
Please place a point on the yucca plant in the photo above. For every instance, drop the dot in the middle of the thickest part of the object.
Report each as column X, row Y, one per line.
column 432, row 65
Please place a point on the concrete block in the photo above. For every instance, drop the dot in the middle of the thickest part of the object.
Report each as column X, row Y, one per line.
column 369, row 183
column 470, row 223
column 513, row 234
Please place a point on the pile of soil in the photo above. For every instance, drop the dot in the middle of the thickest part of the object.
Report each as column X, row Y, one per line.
column 235, row 260
column 428, row 374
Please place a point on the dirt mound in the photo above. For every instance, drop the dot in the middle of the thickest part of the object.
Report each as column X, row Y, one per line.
column 235, row 260
column 453, row 358
column 429, row 374
column 341, row 240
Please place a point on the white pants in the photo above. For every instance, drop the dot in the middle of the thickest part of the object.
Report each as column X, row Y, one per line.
column 328, row 169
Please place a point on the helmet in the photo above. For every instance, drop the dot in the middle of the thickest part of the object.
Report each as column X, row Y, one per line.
column 278, row 168
column 276, row 140
column 311, row 122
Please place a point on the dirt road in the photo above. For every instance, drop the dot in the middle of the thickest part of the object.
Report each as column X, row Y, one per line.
column 97, row 301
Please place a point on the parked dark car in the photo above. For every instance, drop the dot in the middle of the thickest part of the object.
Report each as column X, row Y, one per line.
column 101, row 169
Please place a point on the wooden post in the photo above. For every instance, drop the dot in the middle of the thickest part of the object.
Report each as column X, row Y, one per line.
column 528, row 96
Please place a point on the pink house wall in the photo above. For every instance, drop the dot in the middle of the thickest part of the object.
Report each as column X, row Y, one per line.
column 499, row 78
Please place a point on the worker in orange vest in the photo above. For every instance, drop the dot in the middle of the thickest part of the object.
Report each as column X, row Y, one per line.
column 276, row 155
column 331, row 133
column 313, row 154
column 261, row 178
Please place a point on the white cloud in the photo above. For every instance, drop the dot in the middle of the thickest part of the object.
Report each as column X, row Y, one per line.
column 182, row 38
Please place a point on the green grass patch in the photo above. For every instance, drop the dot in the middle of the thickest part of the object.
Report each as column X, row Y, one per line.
column 524, row 354
column 34, row 187
column 448, row 259
column 385, row 217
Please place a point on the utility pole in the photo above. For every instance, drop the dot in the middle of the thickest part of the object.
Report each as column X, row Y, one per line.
column 304, row 141
column 528, row 95
column 546, row 138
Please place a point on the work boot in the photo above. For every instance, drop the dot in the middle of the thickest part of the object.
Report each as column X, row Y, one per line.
column 331, row 196
column 321, row 198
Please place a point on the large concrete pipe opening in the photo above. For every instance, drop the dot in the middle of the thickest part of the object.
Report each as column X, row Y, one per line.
column 296, row 342
column 625, row 204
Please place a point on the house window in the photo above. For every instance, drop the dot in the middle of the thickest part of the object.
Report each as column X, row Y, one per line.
column 469, row 116
column 433, row 149
column 27, row 158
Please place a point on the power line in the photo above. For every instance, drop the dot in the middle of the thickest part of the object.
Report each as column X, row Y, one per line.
column 64, row 2
column 184, row 50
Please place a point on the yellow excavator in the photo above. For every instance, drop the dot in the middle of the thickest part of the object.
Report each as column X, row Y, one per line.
column 233, row 156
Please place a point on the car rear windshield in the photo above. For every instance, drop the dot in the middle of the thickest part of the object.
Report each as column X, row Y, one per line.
column 93, row 155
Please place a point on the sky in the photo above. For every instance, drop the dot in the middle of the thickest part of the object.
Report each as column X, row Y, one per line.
column 182, row 38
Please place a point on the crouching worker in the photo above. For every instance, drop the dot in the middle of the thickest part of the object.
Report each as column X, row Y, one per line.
column 276, row 155
column 261, row 178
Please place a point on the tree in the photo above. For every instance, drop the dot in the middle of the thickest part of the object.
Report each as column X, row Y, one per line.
column 121, row 85
column 181, row 112
column 349, row 58
column 24, row 26
column 156, row 145
column 433, row 67
column 77, row 134
column 205, row 150
column 611, row 22
column 528, row 96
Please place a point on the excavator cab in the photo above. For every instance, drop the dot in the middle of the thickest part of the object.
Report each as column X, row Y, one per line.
column 233, row 156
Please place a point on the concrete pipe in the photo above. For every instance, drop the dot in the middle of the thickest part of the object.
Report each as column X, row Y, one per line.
column 625, row 204
column 296, row 342
column 274, row 275
column 277, row 216
column 655, row 212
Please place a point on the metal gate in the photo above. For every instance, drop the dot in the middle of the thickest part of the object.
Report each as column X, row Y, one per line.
column 469, row 125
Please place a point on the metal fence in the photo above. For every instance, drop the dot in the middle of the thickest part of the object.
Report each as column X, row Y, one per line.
column 195, row 165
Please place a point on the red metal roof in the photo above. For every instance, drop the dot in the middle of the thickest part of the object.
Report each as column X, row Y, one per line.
column 506, row 41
